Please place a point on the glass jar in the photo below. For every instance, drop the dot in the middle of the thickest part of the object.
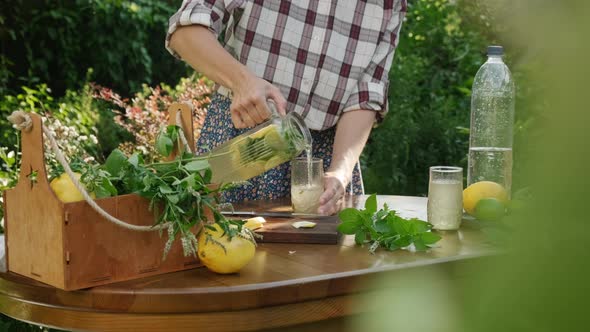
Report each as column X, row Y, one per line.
column 260, row 149
column 445, row 197
column 307, row 184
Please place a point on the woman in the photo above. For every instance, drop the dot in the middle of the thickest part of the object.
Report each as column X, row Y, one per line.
column 326, row 60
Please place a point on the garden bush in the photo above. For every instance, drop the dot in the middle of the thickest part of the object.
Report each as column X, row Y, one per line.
column 429, row 100
column 144, row 116
column 77, row 109
column 94, row 120
column 442, row 45
column 57, row 41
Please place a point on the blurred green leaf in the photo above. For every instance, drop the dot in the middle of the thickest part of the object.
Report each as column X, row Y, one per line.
column 164, row 144
column 197, row 165
column 349, row 227
column 115, row 162
column 360, row 236
column 371, row 204
column 349, row 215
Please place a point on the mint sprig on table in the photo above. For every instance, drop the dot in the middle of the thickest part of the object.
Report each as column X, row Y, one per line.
column 384, row 228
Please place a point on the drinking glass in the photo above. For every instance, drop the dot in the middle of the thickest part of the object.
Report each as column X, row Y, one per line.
column 445, row 197
column 307, row 184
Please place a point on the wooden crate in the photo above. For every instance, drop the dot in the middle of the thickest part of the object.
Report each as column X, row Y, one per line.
column 69, row 245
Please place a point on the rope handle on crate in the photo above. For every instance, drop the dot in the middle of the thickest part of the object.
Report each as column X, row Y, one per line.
column 22, row 121
column 183, row 139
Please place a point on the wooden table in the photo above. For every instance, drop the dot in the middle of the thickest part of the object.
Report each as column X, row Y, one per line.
column 285, row 285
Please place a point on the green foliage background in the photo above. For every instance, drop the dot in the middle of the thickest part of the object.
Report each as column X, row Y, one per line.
column 442, row 45
column 55, row 42
column 429, row 100
column 539, row 283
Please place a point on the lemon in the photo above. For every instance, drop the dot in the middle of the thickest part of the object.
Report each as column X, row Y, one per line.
column 489, row 209
column 274, row 140
column 254, row 223
column 484, row 189
column 263, row 132
column 252, row 169
column 274, row 162
column 222, row 255
column 65, row 190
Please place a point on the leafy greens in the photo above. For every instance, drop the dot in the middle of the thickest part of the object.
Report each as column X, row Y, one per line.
column 178, row 190
column 384, row 228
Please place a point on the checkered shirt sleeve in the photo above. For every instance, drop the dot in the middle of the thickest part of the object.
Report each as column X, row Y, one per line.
column 212, row 14
column 371, row 90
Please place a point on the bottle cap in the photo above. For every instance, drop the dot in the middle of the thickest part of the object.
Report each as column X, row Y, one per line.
column 495, row 50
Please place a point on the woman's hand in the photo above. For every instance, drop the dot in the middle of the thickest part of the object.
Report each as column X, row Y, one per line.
column 334, row 190
column 352, row 132
column 249, row 105
column 200, row 48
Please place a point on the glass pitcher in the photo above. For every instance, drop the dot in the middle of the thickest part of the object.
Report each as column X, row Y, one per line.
column 276, row 141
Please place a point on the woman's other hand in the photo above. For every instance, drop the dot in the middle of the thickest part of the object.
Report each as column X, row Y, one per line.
column 334, row 190
column 352, row 132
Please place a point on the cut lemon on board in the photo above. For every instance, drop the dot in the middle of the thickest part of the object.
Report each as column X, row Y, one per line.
column 254, row 223
column 303, row 224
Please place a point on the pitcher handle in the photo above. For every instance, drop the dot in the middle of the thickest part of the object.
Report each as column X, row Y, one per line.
column 272, row 106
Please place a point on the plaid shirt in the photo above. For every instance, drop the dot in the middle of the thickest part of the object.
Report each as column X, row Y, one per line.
column 327, row 57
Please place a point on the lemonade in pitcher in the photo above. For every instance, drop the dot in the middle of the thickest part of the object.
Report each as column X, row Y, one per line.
column 260, row 149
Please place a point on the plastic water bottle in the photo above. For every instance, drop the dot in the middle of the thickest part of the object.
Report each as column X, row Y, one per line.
column 492, row 119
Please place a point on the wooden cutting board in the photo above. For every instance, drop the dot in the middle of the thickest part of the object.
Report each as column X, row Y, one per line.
column 280, row 230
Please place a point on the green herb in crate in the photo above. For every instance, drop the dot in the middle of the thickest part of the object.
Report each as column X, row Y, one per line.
column 179, row 190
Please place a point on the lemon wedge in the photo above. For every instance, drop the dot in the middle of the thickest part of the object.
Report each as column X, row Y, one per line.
column 254, row 223
column 303, row 224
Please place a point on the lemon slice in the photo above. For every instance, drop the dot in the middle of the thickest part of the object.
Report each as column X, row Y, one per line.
column 303, row 224
column 254, row 223
column 275, row 161
column 274, row 140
